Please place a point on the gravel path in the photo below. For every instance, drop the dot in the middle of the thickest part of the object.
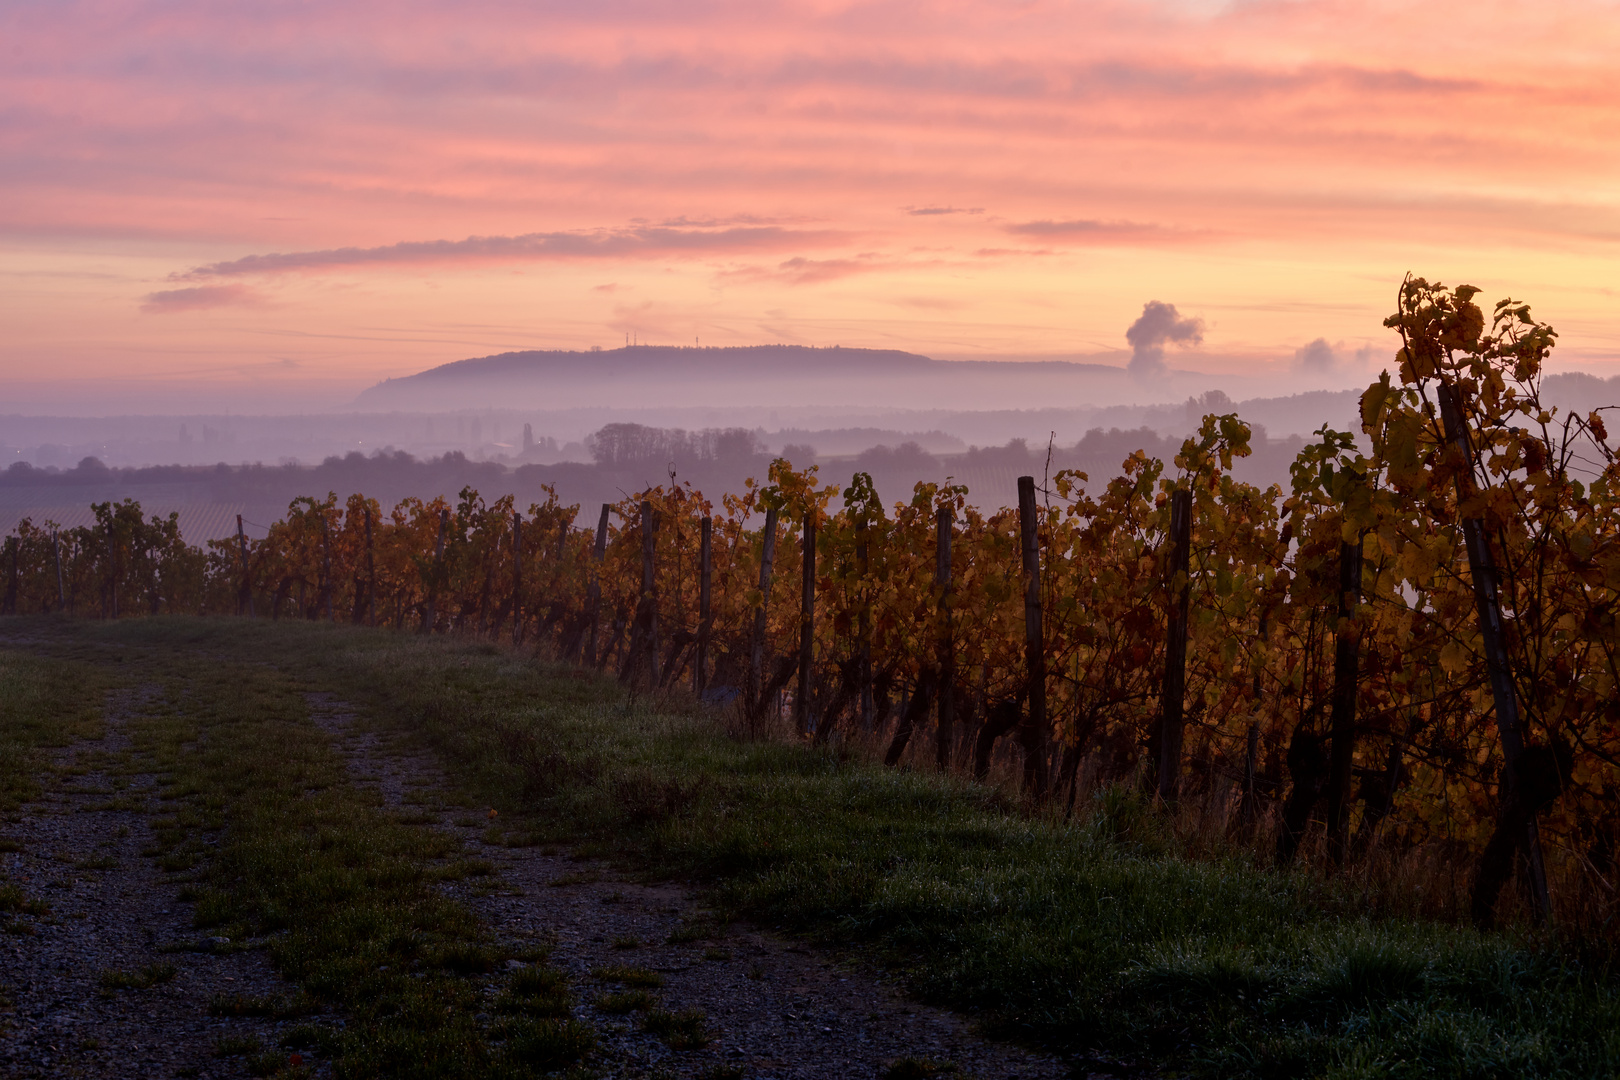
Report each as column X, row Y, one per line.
column 113, row 981
column 775, row 1009
column 115, row 918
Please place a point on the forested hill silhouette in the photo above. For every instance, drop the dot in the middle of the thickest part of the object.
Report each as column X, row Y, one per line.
column 723, row 362
column 692, row 375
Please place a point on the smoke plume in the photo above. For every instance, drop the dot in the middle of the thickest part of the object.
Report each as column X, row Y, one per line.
column 1160, row 323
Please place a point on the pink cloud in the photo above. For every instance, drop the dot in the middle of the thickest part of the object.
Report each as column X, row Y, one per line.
column 633, row 243
column 803, row 271
column 198, row 298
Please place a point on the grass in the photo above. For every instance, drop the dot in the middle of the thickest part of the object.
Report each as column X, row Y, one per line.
column 237, row 1046
column 546, row 1044
column 629, row 976
column 45, row 704
column 1085, row 936
column 684, row 1030
column 12, row 899
column 620, row 1002
column 536, row 992
column 147, row 977
column 689, row 932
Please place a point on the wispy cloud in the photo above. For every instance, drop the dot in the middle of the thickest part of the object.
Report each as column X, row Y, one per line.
column 1090, row 231
column 644, row 241
column 804, row 271
column 198, row 298
column 937, row 211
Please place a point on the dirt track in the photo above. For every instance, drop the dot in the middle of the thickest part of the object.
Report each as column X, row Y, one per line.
column 771, row 1008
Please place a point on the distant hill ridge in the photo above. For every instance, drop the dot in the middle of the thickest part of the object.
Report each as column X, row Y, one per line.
column 725, row 361
column 665, row 374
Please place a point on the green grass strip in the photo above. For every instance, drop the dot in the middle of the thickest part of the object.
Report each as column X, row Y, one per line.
column 45, row 704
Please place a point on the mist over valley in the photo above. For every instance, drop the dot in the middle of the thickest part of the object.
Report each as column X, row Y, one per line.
column 600, row 425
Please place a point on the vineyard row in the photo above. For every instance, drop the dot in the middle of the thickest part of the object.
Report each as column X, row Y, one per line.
column 1414, row 651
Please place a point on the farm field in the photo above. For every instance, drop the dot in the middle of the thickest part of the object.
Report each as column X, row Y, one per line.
column 309, row 865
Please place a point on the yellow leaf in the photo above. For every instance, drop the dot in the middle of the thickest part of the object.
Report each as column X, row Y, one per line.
column 1454, row 658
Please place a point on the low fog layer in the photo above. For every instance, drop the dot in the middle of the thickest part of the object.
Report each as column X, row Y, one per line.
column 666, row 377
column 210, row 468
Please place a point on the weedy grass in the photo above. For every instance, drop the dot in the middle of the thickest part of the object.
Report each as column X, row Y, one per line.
column 13, row 898
column 684, row 1030
column 237, row 1046
column 620, row 1002
column 629, row 976
column 1072, row 934
column 536, row 991
column 45, row 704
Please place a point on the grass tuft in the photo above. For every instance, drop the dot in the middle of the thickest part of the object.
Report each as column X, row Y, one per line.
column 13, row 899
column 684, row 1030
column 147, row 977
column 629, row 976
column 536, row 991
column 620, row 1002
column 237, row 1046
column 547, row 1044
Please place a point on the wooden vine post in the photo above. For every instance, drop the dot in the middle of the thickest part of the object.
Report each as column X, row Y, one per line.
column 756, row 650
column 517, row 577
column 945, row 735
column 807, row 624
column 112, row 567
column 61, row 588
column 1251, row 768
column 244, row 598
column 12, row 573
column 705, row 600
column 429, row 612
column 1482, row 570
column 643, row 650
column 1346, row 671
column 593, row 593
column 1033, row 730
column 326, row 567
column 863, row 565
column 1175, row 649
column 371, row 573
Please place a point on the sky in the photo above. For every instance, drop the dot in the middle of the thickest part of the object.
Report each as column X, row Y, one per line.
column 258, row 205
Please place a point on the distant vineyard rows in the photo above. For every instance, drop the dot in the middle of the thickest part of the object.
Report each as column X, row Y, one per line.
column 1414, row 650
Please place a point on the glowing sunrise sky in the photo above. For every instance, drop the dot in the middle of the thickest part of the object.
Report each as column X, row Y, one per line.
column 280, row 202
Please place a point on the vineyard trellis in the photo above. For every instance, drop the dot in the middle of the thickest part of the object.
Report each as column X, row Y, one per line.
column 1416, row 645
